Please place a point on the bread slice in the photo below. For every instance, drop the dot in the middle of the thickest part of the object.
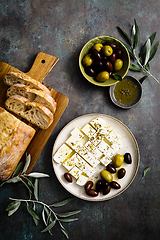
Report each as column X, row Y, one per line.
column 12, row 78
column 15, row 137
column 33, row 95
column 33, row 112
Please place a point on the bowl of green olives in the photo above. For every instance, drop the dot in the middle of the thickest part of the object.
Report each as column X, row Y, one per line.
column 101, row 58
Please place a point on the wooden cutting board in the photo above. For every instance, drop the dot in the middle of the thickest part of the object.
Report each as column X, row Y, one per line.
column 40, row 68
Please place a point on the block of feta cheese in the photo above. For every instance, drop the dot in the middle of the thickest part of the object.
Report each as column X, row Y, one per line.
column 84, row 166
column 89, row 157
column 63, row 153
column 74, row 143
column 105, row 161
column 103, row 146
column 94, row 150
column 70, row 162
column 77, row 134
column 98, row 123
column 81, row 181
column 96, row 138
column 88, row 130
column 75, row 172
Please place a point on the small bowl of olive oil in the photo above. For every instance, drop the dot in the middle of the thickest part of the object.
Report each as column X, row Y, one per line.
column 126, row 93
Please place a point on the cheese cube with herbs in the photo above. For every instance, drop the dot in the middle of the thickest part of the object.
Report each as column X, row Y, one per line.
column 84, row 166
column 89, row 157
column 105, row 161
column 75, row 172
column 94, row 150
column 74, row 143
column 81, row 181
column 70, row 162
column 98, row 123
column 77, row 134
column 62, row 154
column 88, row 130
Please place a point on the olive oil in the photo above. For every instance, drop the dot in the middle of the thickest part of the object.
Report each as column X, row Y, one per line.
column 126, row 92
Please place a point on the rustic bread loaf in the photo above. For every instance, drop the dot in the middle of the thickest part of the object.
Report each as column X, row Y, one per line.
column 33, row 95
column 15, row 137
column 33, row 112
column 12, row 78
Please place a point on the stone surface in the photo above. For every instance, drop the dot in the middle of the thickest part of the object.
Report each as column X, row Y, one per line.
column 61, row 28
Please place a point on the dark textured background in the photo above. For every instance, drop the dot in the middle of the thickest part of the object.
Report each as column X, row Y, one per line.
column 61, row 28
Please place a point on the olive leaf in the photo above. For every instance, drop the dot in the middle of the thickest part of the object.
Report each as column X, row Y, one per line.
column 51, row 225
column 69, row 219
column 152, row 37
column 37, row 175
column 17, row 169
column 65, row 232
column 117, row 77
column 137, row 35
column 35, row 220
column 13, row 180
column 28, row 160
column 49, row 217
column 134, row 68
column 68, row 214
column 146, row 170
column 62, row 203
column 133, row 32
column 142, row 79
column 13, row 205
column 147, row 52
column 14, row 210
column 36, row 189
column 126, row 35
column 32, row 212
column 153, row 51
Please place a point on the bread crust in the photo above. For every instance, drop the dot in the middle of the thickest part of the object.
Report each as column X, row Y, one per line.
column 24, row 108
column 14, row 143
column 12, row 78
column 33, row 95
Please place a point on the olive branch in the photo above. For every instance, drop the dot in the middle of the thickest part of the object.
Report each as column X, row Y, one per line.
column 31, row 182
column 146, row 54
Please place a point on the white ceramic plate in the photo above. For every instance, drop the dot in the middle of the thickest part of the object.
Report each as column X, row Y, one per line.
column 129, row 145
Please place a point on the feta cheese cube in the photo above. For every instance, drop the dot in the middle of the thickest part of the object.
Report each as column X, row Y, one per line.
column 70, row 162
column 103, row 146
column 84, row 166
column 77, row 134
column 81, row 181
column 75, row 172
column 62, row 153
column 105, row 161
column 96, row 138
column 88, row 156
column 94, row 150
column 98, row 123
column 88, row 130
column 74, row 143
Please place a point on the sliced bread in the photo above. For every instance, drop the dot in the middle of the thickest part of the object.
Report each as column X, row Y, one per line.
column 15, row 137
column 33, row 112
column 33, row 95
column 12, row 78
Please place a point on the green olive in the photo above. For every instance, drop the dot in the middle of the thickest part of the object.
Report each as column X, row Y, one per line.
column 107, row 50
column 118, row 64
column 87, row 60
column 102, row 76
column 106, row 175
column 98, row 46
column 118, row 160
